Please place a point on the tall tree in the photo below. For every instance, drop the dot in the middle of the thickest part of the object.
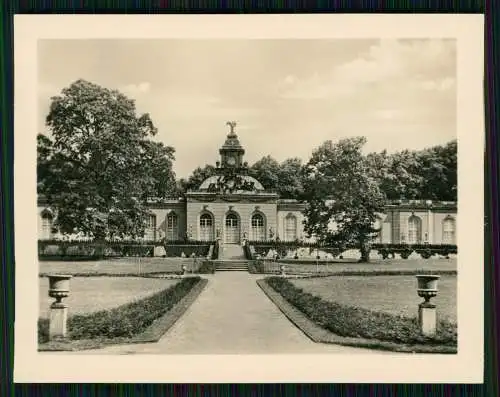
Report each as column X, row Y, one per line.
column 398, row 174
column 291, row 179
column 426, row 174
column 285, row 178
column 266, row 171
column 99, row 166
column 196, row 178
column 342, row 197
column 438, row 170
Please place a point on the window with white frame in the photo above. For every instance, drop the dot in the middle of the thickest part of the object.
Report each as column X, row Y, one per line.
column 206, row 227
column 449, row 230
column 290, row 227
column 258, row 229
column 172, row 227
column 414, row 230
column 150, row 232
column 47, row 223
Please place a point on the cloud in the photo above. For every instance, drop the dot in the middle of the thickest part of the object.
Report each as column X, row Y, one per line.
column 134, row 89
column 444, row 84
column 418, row 64
column 387, row 114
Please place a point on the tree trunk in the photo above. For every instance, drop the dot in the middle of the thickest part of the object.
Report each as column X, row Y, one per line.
column 364, row 248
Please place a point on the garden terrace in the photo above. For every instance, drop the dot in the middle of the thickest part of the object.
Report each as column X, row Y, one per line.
column 123, row 267
column 346, row 267
column 91, row 294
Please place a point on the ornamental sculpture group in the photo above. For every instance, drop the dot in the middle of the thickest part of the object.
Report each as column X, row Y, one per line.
column 229, row 184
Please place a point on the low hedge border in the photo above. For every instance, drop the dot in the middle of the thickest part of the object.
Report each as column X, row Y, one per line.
column 174, row 275
column 320, row 334
column 183, row 295
column 68, row 258
column 357, row 273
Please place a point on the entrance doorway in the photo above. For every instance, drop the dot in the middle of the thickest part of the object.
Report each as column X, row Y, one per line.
column 232, row 229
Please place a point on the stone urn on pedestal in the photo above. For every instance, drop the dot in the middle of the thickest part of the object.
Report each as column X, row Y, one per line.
column 283, row 270
column 427, row 288
column 58, row 289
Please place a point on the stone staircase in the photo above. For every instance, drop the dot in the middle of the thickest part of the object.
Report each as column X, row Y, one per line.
column 231, row 265
column 231, row 258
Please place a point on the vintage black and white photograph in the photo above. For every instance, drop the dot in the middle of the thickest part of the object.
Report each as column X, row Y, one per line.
column 241, row 196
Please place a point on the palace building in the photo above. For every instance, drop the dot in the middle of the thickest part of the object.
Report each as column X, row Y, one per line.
column 233, row 206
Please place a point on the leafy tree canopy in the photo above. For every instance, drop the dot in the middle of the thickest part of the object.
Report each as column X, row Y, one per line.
column 428, row 174
column 196, row 178
column 340, row 172
column 285, row 178
column 98, row 166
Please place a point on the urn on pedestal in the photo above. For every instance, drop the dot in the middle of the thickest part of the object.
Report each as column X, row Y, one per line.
column 58, row 289
column 427, row 288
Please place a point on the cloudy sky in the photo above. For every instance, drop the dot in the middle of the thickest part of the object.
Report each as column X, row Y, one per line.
column 288, row 96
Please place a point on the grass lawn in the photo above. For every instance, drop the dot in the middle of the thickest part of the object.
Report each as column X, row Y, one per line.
column 436, row 264
column 90, row 294
column 118, row 266
column 392, row 294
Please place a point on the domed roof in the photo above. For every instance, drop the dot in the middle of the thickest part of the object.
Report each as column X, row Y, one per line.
column 243, row 180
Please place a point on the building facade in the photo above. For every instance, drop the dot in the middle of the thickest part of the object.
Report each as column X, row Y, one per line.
column 233, row 206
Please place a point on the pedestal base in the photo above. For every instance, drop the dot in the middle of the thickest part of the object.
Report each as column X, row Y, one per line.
column 58, row 320
column 427, row 318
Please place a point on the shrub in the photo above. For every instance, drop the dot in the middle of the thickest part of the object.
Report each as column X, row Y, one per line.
column 384, row 252
column 425, row 253
column 43, row 330
column 126, row 320
column 256, row 267
column 176, row 250
column 359, row 322
column 207, row 267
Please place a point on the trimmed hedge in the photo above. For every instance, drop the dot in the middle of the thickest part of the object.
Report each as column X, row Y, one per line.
column 207, row 267
column 188, row 249
column 359, row 322
column 256, row 267
column 88, row 250
column 124, row 321
column 215, row 253
column 385, row 250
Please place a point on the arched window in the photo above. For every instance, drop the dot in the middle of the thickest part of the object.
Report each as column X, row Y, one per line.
column 258, row 229
column 232, row 229
column 290, row 227
column 47, row 223
column 449, row 230
column 150, row 232
column 172, row 227
column 206, row 227
column 414, row 230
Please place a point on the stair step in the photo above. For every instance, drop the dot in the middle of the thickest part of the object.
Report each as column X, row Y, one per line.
column 231, row 251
